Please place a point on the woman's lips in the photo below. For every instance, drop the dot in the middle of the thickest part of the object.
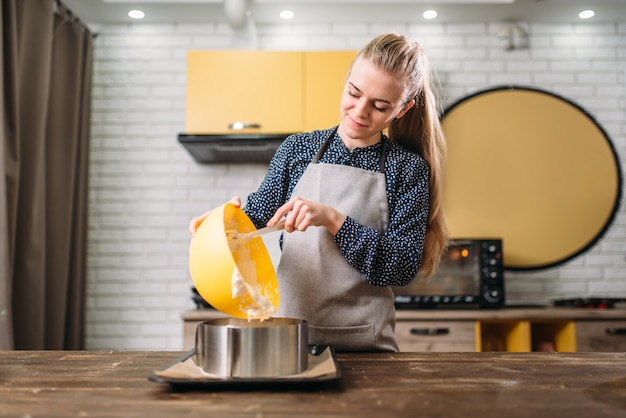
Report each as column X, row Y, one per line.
column 355, row 123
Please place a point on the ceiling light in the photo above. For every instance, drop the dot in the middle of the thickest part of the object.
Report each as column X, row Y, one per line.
column 430, row 14
column 136, row 14
column 287, row 14
column 586, row 14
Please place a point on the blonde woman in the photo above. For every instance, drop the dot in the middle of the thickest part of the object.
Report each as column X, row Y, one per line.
column 363, row 209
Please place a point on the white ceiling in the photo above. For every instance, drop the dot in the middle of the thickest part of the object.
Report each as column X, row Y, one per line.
column 353, row 11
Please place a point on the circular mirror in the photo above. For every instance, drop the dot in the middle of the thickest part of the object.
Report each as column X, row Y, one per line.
column 532, row 168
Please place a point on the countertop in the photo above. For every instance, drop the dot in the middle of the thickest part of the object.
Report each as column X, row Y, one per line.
column 508, row 313
column 115, row 384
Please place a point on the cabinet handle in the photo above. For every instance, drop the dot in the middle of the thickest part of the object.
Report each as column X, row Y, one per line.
column 430, row 331
column 616, row 331
column 239, row 125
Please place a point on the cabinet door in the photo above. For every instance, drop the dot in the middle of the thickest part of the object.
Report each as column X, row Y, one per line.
column 260, row 88
column 325, row 77
column 440, row 336
column 601, row 336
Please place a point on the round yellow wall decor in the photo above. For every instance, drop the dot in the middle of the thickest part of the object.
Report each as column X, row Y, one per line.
column 531, row 168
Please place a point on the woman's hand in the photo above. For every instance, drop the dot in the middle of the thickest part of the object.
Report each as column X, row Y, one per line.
column 195, row 223
column 303, row 213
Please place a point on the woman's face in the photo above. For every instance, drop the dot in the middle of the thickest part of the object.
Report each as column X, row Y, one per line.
column 371, row 100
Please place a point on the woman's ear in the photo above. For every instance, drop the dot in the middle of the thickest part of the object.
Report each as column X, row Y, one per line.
column 406, row 108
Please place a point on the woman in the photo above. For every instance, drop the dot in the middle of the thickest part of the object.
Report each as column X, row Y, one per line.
column 362, row 209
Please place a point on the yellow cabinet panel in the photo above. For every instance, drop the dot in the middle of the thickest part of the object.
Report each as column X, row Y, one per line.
column 525, row 335
column 505, row 336
column 553, row 336
column 263, row 88
column 325, row 77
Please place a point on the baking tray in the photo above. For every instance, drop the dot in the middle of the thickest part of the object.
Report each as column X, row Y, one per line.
column 323, row 368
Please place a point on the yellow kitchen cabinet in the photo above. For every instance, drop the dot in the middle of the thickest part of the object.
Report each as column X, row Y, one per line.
column 526, row 335
column 265, row 91
column 259, row 89
column 504, row 336
column 555, row 335
column 325, row 77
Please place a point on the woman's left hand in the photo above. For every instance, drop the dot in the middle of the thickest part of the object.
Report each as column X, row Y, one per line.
column 302, row 213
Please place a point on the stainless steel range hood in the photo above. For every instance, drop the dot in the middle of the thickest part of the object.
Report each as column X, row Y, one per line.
column 232, row 148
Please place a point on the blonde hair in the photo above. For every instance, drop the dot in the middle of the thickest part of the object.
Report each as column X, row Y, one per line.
column 419, row 130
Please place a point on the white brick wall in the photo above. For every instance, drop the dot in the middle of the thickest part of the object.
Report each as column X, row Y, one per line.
column 144, row 187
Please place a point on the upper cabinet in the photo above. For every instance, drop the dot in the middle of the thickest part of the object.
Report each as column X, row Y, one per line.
column 242, row 91
column 259, row 91
column 325, row 77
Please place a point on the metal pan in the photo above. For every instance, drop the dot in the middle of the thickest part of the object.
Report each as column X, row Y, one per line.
column 232, row 347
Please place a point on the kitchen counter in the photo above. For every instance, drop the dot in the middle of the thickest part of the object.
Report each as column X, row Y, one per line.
column 547, row 313
column 115, row 384
column 575, row 329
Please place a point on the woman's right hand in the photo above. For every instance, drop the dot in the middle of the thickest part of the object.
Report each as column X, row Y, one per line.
column 195, row 223
column 301, row 214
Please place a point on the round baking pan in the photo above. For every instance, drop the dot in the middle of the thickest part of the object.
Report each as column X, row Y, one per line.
column 238, row 348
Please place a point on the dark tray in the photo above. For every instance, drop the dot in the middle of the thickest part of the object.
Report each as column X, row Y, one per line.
column 317, row 355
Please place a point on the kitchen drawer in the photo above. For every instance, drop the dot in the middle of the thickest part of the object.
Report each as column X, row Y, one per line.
column 440, row 336
column 601, row 336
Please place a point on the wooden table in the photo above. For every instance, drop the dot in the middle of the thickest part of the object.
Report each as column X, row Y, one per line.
column 115, row 384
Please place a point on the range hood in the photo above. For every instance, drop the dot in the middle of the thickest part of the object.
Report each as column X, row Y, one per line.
column 232, row 148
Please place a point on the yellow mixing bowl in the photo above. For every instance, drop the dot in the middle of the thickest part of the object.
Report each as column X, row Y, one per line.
column 215, row 268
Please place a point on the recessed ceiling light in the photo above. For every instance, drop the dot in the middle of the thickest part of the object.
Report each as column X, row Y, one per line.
column 136, row 14
column 287, row 14
column 430, row 14
column 586, row 14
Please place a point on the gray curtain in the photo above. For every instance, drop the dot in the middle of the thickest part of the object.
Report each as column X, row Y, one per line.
column 45, row 120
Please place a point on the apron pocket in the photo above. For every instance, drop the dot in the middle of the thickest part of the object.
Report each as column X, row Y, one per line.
column 356, row 338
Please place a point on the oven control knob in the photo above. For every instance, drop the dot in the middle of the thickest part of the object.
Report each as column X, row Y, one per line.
column 492, row 295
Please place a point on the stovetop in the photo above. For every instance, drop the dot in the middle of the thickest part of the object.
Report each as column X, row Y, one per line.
column 591, row 302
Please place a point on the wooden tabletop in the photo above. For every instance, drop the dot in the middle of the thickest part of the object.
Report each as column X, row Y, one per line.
column 115, row 384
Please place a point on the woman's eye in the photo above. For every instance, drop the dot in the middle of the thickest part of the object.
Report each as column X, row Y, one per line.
column 357, row 96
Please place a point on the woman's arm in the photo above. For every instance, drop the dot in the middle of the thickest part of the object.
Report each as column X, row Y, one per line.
column 393, row 257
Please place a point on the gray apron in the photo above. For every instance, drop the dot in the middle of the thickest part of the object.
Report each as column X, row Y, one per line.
column 316, row 282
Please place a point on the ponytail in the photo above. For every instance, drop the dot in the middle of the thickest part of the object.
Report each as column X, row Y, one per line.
column 419, row 130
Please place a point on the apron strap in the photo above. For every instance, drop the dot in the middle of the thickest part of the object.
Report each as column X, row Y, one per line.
column 383, row 154
column 324, row 147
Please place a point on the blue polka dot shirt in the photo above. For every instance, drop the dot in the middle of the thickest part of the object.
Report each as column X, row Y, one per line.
column 385, row 259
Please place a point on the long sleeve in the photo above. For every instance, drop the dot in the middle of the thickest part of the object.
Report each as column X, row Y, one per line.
column 393, row 257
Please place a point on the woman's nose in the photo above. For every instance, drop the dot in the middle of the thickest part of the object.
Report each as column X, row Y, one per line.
column 360, row 107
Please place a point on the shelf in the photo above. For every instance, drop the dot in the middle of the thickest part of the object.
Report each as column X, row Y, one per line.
column 553, row 336
column 526, row 336
column 505, row 336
